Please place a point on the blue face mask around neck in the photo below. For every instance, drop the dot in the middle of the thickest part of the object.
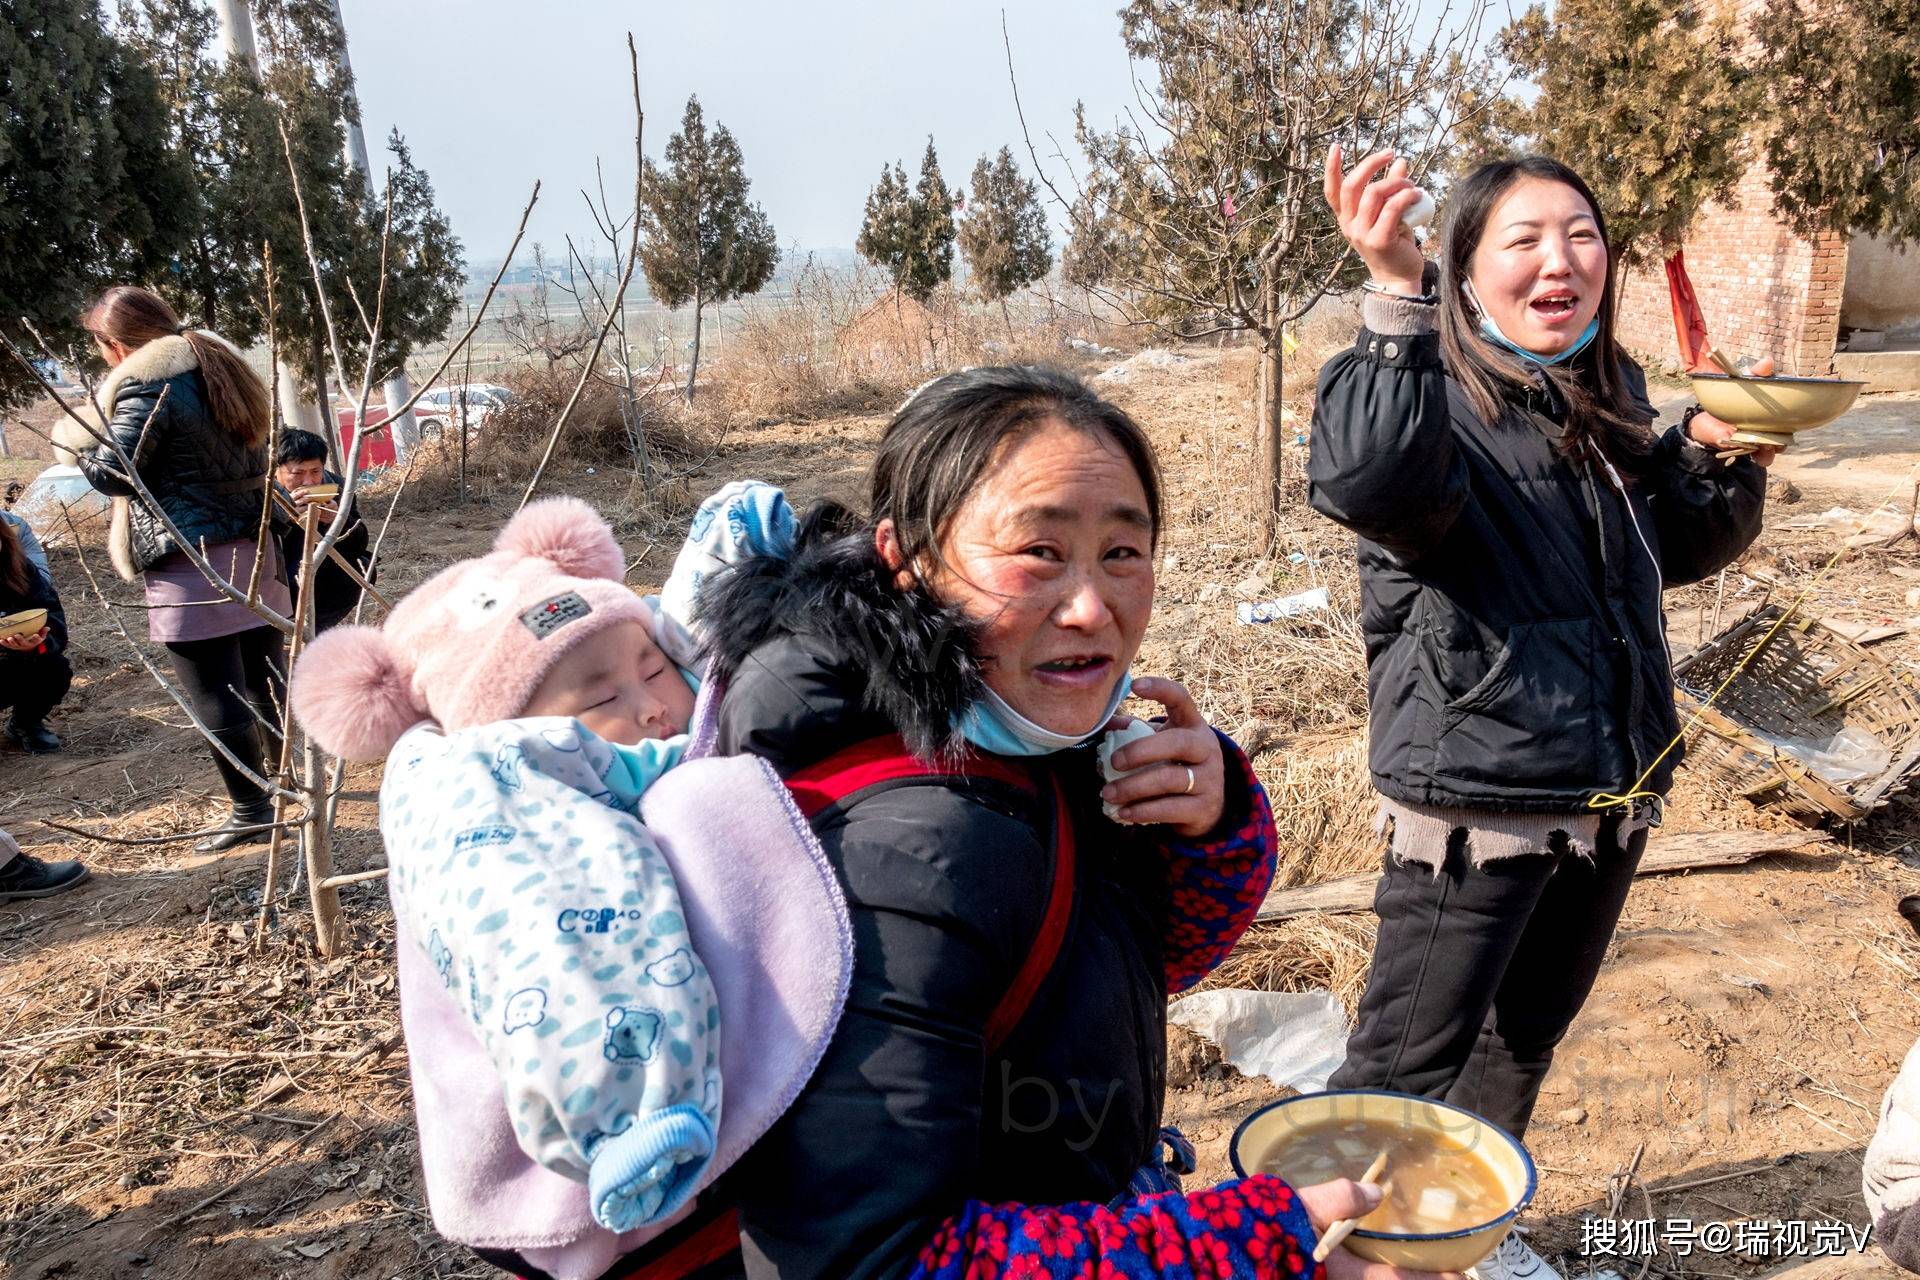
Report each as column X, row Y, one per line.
column 992, row 724
column 1491, row 332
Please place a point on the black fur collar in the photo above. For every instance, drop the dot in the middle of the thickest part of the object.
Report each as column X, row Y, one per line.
column 909, row 658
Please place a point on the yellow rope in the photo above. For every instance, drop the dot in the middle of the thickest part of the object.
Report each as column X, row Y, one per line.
column 1606, row 800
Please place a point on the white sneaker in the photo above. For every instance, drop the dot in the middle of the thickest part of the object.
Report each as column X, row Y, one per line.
column 1513, row 1260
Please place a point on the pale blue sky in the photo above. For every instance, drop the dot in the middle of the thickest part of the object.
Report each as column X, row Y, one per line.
column 492, row 94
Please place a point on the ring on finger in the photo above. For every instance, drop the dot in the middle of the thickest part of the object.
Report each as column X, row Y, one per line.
column 1190, row 781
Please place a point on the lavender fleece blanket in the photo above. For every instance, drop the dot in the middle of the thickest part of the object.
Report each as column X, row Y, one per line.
column 768, row 919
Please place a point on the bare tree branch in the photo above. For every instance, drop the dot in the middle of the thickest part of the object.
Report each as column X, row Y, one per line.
column 166, row 685
column 619, row 295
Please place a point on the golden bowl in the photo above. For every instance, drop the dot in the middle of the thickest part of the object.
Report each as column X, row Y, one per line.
column 1773, row 406
column 1267, row 1130
column 24, row 623
column 322, row 491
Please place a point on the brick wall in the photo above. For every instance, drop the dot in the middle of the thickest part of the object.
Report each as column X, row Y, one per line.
column 1764, row 290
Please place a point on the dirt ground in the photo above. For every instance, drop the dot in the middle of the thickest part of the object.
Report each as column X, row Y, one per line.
column 174, row 1103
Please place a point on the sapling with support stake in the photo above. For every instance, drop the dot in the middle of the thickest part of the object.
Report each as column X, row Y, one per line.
column 304, row 795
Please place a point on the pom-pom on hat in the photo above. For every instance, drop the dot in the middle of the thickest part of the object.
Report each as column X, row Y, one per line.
column 471, row 644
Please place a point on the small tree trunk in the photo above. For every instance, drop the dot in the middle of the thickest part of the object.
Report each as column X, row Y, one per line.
column 208, row 303
column 1006, row 316
column 1267, row 400
column 463, row 449
column 317, row 836
column 693, row 369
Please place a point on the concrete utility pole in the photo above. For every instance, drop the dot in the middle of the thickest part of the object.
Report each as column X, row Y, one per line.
column 397, row 389
column 236, row 31
column 236, row 41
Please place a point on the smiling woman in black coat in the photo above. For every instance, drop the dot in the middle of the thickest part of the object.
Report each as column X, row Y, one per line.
column 1518, row 520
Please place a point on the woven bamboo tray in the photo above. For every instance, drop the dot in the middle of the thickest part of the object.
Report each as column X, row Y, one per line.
column 1807, row 682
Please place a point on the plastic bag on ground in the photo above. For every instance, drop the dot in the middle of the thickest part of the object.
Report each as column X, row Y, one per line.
column 1295, row 1038
column 1851, row 755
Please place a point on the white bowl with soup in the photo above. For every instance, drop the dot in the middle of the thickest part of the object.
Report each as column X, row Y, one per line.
column 1455, row 1183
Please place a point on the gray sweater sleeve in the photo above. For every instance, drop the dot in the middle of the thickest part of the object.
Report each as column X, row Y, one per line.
column 30, row 545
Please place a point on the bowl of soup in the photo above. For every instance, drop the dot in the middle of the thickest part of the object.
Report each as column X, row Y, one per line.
column 1454, row 1182
column 1768, row 411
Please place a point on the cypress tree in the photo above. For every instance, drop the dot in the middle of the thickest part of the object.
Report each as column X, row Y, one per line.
column 89, row 192
column 883, row 232
column 1004, row 235
column 704, row 242
column 930, row 231
column 223, row 124
column 1842, row 83
column 910, row 232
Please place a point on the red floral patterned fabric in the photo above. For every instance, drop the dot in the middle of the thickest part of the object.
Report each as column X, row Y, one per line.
column 1250, row 1229
column 1218, row 886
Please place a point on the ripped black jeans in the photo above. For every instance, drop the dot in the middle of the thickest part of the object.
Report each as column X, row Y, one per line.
column 1479, row 971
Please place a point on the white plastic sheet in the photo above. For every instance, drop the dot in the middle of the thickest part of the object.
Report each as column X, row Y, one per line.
column 43, row 505
column 1296, row 1039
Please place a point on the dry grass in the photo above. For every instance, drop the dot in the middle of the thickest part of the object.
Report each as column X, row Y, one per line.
column 180, row 1048
column 1325, row 953
column 842, row 342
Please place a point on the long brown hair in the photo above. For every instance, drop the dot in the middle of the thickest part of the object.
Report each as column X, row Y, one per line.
column 1601, row 411
column 133, row 317
column 14, row 569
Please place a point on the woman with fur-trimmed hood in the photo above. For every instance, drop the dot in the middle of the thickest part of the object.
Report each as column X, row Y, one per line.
column 192, row 416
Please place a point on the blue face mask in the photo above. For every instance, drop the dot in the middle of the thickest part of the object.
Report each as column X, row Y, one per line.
column 1491, row 332
column 991, row 724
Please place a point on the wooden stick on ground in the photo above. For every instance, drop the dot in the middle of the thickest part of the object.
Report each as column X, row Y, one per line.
column 1682, row 851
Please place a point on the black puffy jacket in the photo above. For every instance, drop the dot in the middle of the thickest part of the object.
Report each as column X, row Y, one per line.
column 206, row 479
column 1510, row 594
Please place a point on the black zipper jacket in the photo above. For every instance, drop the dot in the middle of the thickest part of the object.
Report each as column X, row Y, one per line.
column 909, row 1118
column 1510, row 593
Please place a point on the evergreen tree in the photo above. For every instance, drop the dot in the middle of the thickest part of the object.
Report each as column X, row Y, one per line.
column 1004, row 235
column 1609, row 74
column 703, row 242
column 930, row 231
column 883, row 232
column 1842, row 82
column 89, row 191
column 910, row 233
column 1099, row 246
column 224, row 125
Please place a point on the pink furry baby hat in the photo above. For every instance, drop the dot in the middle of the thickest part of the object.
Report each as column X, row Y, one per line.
column 471, row 644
